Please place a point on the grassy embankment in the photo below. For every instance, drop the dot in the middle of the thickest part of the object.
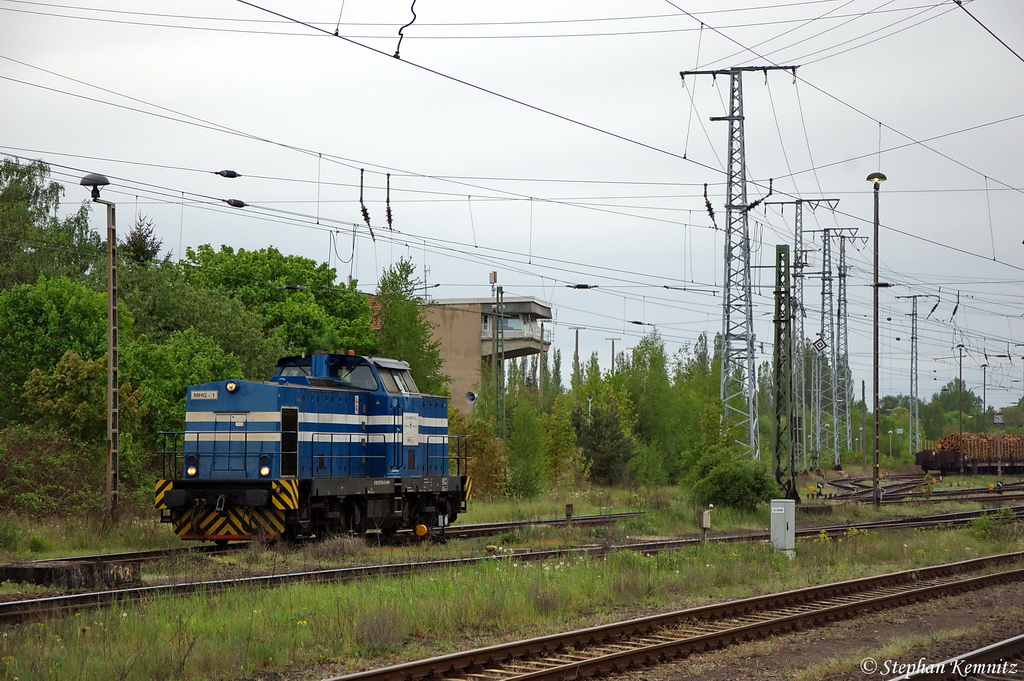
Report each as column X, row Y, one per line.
column 347, row 626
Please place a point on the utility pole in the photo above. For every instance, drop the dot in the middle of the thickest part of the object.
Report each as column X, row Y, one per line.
column 577, row 380
column 739, row 371
column 782, row 425
column 540, row 364
column 613, row 352
column 499, row 365
column 914, row 442
column 863, row 424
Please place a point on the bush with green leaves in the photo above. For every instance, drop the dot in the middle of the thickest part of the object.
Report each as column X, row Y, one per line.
column 739, row 483
column 46, row 473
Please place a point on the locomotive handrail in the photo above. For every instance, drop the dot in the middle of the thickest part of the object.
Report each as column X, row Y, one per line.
column 461, row 455
column 174, row 457
column 319, row 467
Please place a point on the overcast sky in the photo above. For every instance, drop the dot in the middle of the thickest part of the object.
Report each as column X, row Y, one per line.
column 555, row 143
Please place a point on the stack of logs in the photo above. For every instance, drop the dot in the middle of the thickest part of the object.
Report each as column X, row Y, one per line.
column 984, row 446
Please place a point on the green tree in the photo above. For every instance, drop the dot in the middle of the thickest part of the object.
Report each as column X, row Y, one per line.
column 39, row 323
column 164, row 372
column 73, row 399
column 663, row 427
column 526, row 453
column 163, row 302
column 295, row 297
column 488, row 463
column 140, row 246
column 35, row 242
column 566, row 464
column 404, row 331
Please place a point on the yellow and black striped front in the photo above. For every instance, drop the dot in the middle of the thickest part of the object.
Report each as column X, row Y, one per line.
column 285, row 495
column 234, row 522
column 162, row 487
column 201, row 520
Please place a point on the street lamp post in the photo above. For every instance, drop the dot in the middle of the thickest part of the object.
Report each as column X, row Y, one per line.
column 94, row 181
column 877, row 179
column 890, row 445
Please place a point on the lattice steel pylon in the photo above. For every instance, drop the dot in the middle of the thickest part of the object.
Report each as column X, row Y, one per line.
column 843, row 376
column 799, row 261
column 827, row 373
column 739, row 370
column 914, row 441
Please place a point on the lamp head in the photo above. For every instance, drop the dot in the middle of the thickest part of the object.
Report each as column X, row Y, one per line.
column 876, row 178
column 94, row 181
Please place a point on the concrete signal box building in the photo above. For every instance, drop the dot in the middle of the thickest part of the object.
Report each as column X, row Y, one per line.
column 465, row 327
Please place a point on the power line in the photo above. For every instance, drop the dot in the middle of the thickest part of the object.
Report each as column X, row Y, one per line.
column 1001, row 42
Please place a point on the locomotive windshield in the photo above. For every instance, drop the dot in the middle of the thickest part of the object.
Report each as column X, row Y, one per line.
column 398, row 381
column 359, row 377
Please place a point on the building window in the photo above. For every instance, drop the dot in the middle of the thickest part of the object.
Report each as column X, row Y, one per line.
column 512, row 323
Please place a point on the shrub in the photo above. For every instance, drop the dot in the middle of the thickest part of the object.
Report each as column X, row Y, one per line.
column 37, row 544
column 8, row 536
column 983, row 525
column 741, row 484
column 46, row 473
column 511, row 537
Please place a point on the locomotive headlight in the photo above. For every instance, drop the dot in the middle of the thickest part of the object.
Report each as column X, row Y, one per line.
column 265, row 471
column 191, row 470
column 231, row 386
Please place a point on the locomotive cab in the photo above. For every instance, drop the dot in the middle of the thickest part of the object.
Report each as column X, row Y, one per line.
column 330, row 444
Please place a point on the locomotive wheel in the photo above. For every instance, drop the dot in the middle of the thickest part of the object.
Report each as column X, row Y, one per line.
column 355, row 514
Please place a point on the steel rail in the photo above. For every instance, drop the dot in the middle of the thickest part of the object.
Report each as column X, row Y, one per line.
column 457, row 531
column 564, row 656
column 962, row 666
column 142, row 556
column 18, row 611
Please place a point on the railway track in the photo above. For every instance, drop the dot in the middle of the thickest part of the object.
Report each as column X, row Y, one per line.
column 141, row 556
column 490, row 529
column 612, row 648
column 456, row 532
column 898, row 491
column 13, row 612
column 1002, row 660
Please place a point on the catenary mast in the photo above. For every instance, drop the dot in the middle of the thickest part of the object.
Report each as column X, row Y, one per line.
column 739, row 371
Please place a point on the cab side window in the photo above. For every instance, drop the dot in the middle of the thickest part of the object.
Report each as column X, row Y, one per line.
column 362, row 378
column 389, row 381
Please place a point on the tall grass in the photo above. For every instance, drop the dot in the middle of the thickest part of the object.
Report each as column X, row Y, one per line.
column 248, row 630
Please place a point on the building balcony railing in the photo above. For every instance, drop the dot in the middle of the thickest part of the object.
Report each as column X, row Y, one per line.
column 520, row 334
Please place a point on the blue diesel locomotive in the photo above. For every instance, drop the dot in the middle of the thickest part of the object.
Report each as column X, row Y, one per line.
column 331, row 444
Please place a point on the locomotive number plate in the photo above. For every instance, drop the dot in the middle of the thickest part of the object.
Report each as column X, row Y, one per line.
column 204, row 394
